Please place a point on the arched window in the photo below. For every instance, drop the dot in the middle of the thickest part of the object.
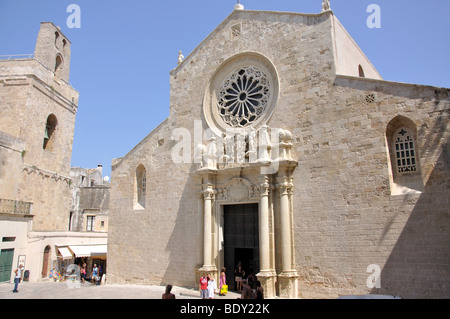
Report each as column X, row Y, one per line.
column 49, row 134
column 361, row 71
column 56, row 37
column 141, row 187
column 58, row 65
column 405, row 176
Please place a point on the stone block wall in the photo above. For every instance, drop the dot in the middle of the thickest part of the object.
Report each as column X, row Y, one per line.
column 347, row 217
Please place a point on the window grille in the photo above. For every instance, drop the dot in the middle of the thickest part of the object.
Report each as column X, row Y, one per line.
column 405, row 152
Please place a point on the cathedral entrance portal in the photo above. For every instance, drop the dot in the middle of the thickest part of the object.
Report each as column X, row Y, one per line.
column 249, row 220
column 241, row 240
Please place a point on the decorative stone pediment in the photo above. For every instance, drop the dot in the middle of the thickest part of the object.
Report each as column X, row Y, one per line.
column 238, row 190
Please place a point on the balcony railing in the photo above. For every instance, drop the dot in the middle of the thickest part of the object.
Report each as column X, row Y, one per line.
column 15, row 207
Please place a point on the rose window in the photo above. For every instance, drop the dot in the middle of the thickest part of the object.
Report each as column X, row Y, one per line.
column 243, row 97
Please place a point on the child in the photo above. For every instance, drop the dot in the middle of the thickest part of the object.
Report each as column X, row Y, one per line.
column 211, row 286
column 204, row 287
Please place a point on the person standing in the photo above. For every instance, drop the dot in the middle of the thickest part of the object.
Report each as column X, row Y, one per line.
column 95, row 274
column 83, row 273
column 211, row 286
column 204, row 287
column 17, row 277
column 223, row 282
column 239, row 273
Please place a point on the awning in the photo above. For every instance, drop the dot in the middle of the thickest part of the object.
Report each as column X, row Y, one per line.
column 65, row 252
column 89, row 250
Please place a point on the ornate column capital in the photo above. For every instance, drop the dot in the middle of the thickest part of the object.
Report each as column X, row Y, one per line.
column 285, row 185
column 209, row 193
column 264, row 186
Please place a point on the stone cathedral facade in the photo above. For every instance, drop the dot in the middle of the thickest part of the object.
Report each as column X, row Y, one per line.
column 285, row 150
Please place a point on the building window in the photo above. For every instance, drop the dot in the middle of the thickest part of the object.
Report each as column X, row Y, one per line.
column 90, row 225
column 405, row 152
column 242, row 93
column 235, row 30
column 70, row 221
column 140, row 187
column 404, row 161
column 58, row 63
column 243, row 96
column 49, row 133
column 361, row 72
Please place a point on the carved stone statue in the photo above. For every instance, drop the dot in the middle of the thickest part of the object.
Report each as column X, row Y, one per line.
column 264, row 145
column 252, row 146
column 199, row 155
column 325, row 5
column 241, row 146
column 211, row 155
column 227, row 149
column 180, row 57
column 285, row 142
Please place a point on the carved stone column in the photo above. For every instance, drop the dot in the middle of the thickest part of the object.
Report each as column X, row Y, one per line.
column 208, row 198
column 266, row 275
column 207, row 195
column 288, row 287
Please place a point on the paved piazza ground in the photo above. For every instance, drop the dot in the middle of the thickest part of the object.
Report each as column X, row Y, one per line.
column 53, row 290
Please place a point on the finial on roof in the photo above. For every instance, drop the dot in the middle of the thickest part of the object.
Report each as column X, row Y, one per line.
column 180, row 57
column 326, row 5
column 239, row 6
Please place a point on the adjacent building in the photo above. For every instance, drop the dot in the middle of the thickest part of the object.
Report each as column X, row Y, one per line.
column 38, row 108
column 90, row 201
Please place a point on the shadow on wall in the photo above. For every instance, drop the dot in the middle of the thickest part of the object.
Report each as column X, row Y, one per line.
column 187, row 234
column 419, row 264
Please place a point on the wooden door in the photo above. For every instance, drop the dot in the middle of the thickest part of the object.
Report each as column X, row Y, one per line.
column 6, row 260
column 45, row 262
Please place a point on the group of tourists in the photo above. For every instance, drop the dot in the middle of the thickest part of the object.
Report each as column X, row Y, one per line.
column 208, row 286
column 250, row 288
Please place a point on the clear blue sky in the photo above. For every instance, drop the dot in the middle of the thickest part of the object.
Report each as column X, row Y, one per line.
column 124, row 51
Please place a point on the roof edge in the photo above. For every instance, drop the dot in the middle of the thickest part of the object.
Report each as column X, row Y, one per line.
column 117, row 161
column 240, row 12
column 383, row 81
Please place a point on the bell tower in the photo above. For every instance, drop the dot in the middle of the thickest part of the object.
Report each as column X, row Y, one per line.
column 53, row 50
